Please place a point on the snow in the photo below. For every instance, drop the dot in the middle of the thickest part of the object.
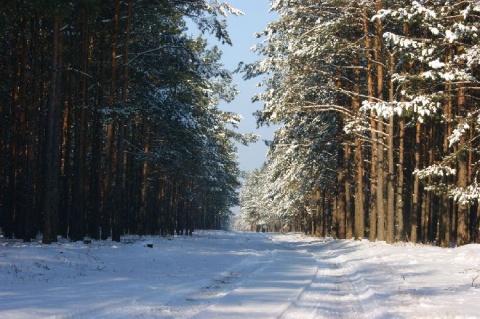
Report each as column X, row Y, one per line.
column 217, row 274
column 436, row 64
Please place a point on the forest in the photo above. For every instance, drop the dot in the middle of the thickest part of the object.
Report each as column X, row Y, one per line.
column 109, row 122
column 377, row 104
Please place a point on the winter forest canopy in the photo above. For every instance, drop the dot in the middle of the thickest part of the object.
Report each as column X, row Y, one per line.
column 109, row 121
column 378, row 103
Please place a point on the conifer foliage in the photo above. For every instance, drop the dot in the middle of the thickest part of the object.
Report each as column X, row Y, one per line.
column 378, row 103
column 109, row 121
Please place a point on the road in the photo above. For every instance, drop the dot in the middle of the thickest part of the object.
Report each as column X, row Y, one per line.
column 216, row 274
column 287, row 280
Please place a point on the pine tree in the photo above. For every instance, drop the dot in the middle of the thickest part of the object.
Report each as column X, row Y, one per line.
column 393, row 73
column 109, row 109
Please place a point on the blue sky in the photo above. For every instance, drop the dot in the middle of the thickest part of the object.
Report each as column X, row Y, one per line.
column 241, row 30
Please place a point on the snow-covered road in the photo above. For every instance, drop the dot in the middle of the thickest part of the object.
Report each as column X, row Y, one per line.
column 218, row 274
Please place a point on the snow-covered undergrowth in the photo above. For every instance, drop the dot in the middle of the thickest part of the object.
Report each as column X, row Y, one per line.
column 238, row 275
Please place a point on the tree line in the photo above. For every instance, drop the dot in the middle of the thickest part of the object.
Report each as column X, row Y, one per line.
column 109, row 121
column 378, row 103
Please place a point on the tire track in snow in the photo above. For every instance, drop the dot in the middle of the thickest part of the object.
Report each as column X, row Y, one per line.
column 270, row 292
column 216, row 288
column 330, row 295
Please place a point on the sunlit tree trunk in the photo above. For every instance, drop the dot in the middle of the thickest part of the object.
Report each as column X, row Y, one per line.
column 462, row 177
column 342, row 172
column 400, row 236
column 340, row 198
column 359, row 225
column 445, row 202
column 373, row 125
column 391, row 162
column 416, row 188
column 380, row 176
column 348, row 206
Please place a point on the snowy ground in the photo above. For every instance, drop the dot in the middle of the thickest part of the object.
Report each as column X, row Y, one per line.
column 218, row 274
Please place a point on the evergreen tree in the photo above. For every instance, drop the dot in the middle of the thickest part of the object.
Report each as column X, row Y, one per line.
column 392, row 86
column 109, row 120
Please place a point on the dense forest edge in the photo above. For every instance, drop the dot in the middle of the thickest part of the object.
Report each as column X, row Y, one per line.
column 109, row 122
column 378, row 107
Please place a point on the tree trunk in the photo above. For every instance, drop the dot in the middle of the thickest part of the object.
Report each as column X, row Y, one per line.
column 416, row 188
column 112, row 155
column 341, row 206
column 370, row 94
column 463, row 237
column 98, row 184
column 359, row 225
column 348, row 205
column 391, row 163
column 380, row 195
column 399, row 236
column 80, row 171
column 52, row 152
column 144, row 185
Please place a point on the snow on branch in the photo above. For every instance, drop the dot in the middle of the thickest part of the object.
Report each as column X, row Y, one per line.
column 435, row 170
column 420, row 105
column 468, row 195
column 326, row 108
column 457, row 133
column 402, row 41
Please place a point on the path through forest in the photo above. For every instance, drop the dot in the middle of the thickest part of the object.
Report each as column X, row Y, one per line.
column 217, row 274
